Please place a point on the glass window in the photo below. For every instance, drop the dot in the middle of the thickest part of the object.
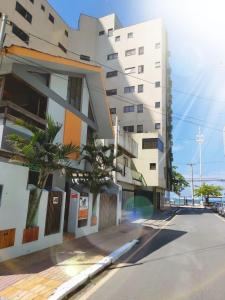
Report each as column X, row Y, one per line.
column 140, row 69
column 130, row 70
column 128, row 128
column 140, row 108
column 117, row 38
column 111, row 92
column 139, row 128
column 130, row 35
column 140, row 88
column 85, row 57
column 102, row 32
column 111, row 74
column 153, row 143
column 62, row 47
column 157, row 64
column 66, row 33
column 23, row 12
column 130, row 52
column 157, row 104
column 51, row 18
column 157, row 45
column 129, row 108
column 112, row 56
column 129, row 89
column 110, row 32
column 20, row 34
column 157, row 126
column 74, row 92
column 141, row 50
column 157, row 84
column 113, row 111
column 1, row 190
column 32, row 1
column 152, row 166
column 42, row 7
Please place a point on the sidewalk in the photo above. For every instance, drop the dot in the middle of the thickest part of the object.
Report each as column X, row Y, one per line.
column 37, row 275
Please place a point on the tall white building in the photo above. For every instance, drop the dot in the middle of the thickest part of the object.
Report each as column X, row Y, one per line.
column 136, row 78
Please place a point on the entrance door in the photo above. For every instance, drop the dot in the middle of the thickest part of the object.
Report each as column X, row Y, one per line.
column 53, row 216
column 107, row 210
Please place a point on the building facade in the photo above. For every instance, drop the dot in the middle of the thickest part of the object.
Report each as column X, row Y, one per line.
column 136, row 74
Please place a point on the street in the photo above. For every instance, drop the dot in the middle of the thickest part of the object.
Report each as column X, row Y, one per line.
column 186, row 260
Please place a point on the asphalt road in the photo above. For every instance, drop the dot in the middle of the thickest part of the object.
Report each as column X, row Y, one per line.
column 186, row 260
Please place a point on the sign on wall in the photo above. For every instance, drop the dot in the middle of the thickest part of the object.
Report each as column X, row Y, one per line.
column 83, row 206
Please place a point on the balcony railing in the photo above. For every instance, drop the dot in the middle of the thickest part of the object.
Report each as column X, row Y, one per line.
column 12, row 112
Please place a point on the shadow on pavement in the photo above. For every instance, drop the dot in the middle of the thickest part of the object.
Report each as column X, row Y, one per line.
column 194, row 211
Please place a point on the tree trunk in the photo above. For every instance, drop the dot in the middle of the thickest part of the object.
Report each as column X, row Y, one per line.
column 94, row 204
column 34, row 200
column 207, row 201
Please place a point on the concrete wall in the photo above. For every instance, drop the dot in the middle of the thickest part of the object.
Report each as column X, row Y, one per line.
column 13, row 212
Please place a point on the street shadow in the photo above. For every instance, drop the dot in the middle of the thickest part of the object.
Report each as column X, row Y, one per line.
column 194, row 211
column 165, row 237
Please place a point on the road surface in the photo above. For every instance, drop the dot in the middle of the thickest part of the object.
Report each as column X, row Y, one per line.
column 186, row 260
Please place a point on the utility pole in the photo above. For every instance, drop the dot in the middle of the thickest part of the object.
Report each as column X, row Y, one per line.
column 200, row 141
column 4, row 20
column 116, row 132
column 192, row 182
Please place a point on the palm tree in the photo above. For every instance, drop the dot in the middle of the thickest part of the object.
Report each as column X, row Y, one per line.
column 40, row 152
column 100, row 164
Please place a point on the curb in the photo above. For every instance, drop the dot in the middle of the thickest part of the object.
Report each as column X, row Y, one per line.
column 75, row 282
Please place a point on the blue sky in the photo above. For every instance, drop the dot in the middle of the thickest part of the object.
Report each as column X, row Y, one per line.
column 197, row 45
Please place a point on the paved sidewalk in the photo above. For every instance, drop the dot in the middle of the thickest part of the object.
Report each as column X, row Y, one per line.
column 37, row 275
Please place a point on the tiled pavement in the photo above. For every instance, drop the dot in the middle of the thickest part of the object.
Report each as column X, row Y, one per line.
column 37, row 275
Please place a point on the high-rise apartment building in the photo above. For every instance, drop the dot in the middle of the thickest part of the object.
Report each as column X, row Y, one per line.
column 136, row 70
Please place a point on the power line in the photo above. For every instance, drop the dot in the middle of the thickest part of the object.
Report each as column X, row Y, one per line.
column 132, row 76
column 125, row 99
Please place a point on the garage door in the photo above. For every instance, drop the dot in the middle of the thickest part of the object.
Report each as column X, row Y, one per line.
column 107, row 211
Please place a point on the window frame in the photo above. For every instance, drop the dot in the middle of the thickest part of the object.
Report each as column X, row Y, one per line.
column 112, row 74
column 101, row 33
column 130, row 35
column 141, row 69
column 157, row 104
column 157, row 126
column 110, row 32
column 111, row 92
column 128, row 109
column 138, row 128
column 152, row 166
column 51, row 18
column 140, row 108
column 24, row 12
column 19, row 32
column 141, row 50
column 141, row 88
column 112, row 56
column 117, row 38
column 130, row 52
column 129, row 89
column 128, row 127
column 130, row 69
column 1, row 193
column 157, row 84
column 113, row 110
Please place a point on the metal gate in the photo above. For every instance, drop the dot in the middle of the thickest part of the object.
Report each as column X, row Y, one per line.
column 107, row 210
column 53, row 216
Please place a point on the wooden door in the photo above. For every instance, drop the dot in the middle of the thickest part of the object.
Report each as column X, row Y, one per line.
column 53, row 216
column 107, row 210
column 7, row 238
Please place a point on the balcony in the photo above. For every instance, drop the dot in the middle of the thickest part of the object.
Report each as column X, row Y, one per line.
column 130, row 176
column 126, row 144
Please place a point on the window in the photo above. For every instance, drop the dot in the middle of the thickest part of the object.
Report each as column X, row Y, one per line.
column 1, row 189
column 102, row 32
column 117, row 38
column 129, row 108
column 74, row 92
column 32, row 1
column 113, row 111
column 139, row 128
column 66, row 33
column 128, row 128
column 157, row 64
column 157, row 84
column 157, row 125
column 112, row 56
column 140, row 108
column 20, row 34
column 51, row 18
column 85, row 57
column 130, row 52
column 141, row 50
column 130, row 35
column 157, row 104
column 62, row 47
column 111, row 74
column 152, row 166
column 42, row 7
column 23, row 12
column 140, row 69
column 157, row 45
column 140, row 88
column 111, row 92
column 129, row 89
column 110, row 32
column 130, row 70
column 153, row 143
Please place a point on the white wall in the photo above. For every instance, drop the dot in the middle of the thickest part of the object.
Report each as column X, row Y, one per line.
column 13, row 212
